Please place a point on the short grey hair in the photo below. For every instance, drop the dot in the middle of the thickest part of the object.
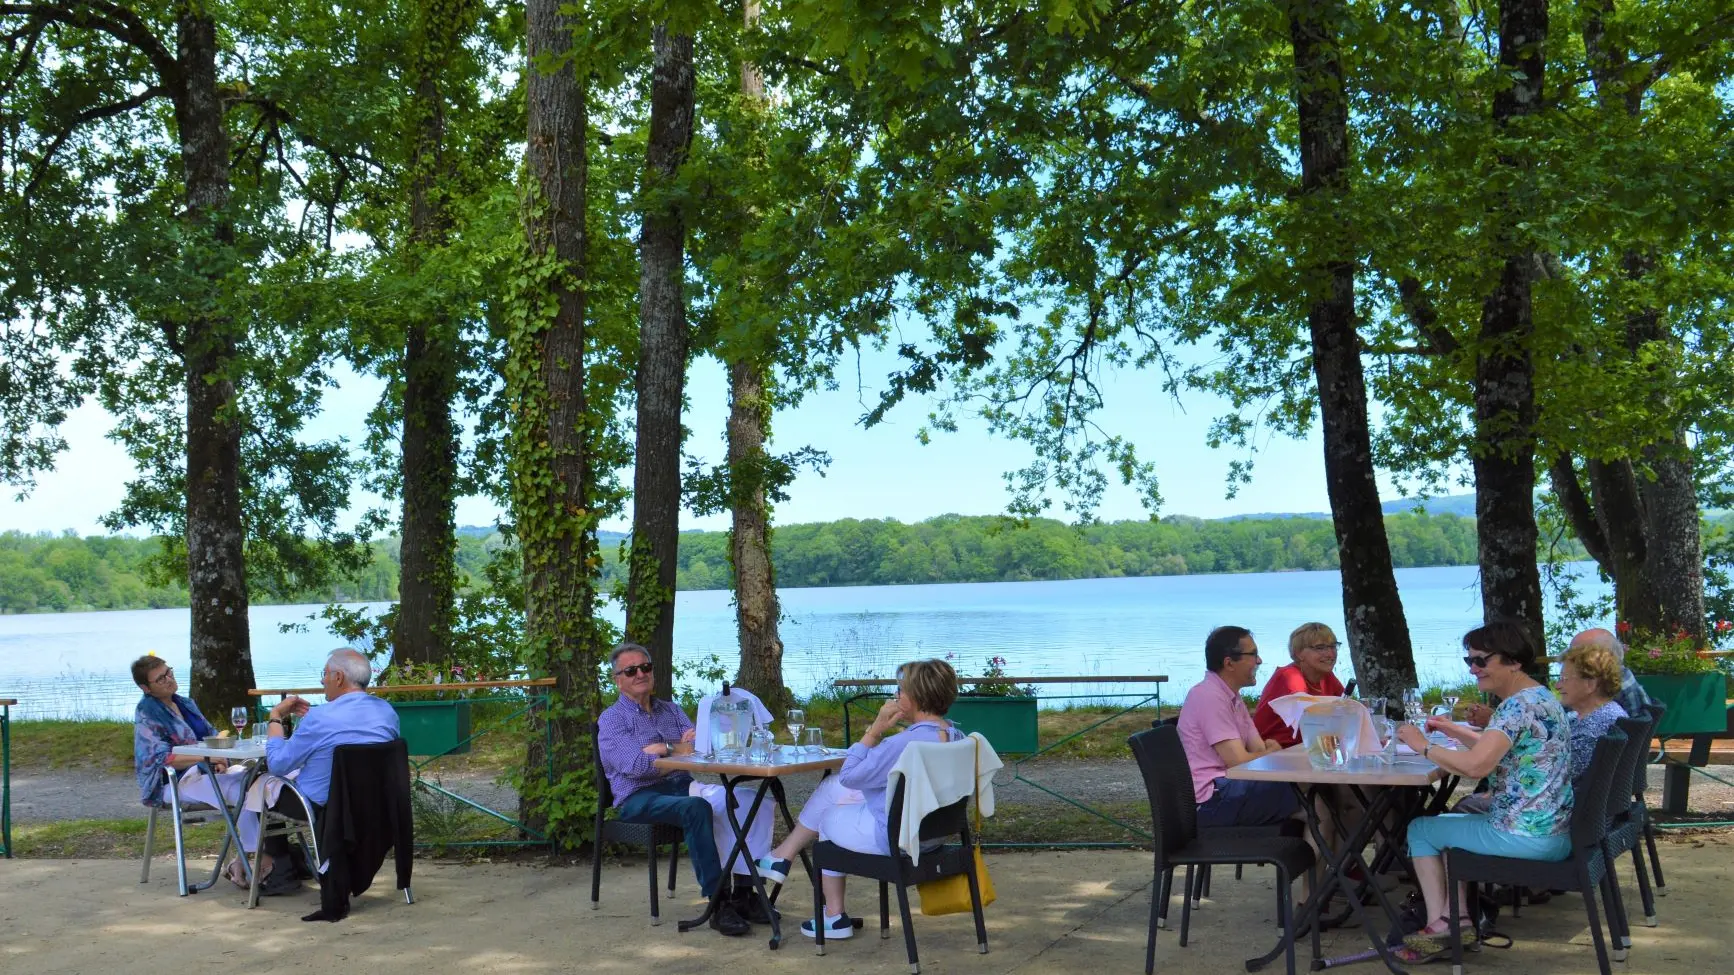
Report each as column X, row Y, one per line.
column 1618, row 649
column 351, row 664
column 622, row 649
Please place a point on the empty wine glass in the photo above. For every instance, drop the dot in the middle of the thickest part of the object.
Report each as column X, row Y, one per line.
column 796, row 719
column 1451, row 702
column 1412, row 707
column 239, row 717
column 815, row 739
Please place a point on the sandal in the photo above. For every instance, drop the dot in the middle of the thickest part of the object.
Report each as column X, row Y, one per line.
column 237, row 873
column 1434, row 943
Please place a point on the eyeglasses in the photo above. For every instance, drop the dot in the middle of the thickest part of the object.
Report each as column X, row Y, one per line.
column 635, row 670
column 1236, row 656
column 1479, row 661
column 167, row 675
column 1334, row 644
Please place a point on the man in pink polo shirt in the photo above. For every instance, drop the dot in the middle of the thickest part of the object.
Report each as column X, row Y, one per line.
column 1218, row 734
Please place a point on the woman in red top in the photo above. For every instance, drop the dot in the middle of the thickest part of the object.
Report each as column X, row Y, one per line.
column 1313, row 648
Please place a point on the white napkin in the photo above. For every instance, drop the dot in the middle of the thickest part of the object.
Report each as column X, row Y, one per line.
column 701, row 724
column 1290, row 708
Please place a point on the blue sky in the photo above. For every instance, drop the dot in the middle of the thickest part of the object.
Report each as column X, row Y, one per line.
column 880, row 473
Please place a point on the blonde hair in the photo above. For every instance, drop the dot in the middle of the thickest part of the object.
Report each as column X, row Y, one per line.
column 930, row 684
column 1309, row 634
column 1597, row 662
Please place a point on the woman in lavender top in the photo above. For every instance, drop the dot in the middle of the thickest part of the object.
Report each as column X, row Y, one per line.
column 1589, row 680
column 848, row 808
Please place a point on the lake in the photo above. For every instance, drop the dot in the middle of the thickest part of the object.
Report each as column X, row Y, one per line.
column 75, row 664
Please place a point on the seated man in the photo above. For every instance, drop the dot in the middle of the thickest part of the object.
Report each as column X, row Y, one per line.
column 350, row 716
column 632, row 733
column 1217, row 732
column 1313, row 648
column 1632, row 697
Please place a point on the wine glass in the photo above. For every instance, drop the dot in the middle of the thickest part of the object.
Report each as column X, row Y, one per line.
column 238, row 717
column 1412, row 707
column 796, row 719
column 1451, row 703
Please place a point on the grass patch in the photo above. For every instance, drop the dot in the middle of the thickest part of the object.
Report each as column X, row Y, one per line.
column 104, row 746
column 84, row 839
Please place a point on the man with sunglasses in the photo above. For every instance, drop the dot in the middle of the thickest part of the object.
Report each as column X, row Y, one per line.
column 632, row 733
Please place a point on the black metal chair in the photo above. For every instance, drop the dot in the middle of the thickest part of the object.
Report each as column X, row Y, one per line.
column 1640, row 810
column 1584, row 871
column 649, row 836
column 1625, row 828
column 897, row 870
column 1201, row 884
column 1180, row 843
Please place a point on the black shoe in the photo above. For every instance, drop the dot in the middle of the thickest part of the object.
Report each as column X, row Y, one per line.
column 748, row 906
column 726, row 920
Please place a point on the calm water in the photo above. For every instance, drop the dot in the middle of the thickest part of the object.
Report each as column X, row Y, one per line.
column 75, row 664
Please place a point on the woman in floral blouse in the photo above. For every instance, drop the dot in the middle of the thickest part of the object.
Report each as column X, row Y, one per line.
column 1527, row 751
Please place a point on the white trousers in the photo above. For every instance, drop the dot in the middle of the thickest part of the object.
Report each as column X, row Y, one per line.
column 195, row 786
column 758, row 834
column 840, row 815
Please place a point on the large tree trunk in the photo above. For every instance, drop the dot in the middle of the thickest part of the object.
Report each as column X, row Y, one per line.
column 427, row 584
column 662, row 354
column 553, row 483
column 1378, row 633
column 222, row 659
column 1504, row 449
column 1676, row 563
column 756, row 608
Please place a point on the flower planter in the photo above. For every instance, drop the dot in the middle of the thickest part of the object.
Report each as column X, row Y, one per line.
column 434, row 727
column 1696, row 702
column 1008, row 723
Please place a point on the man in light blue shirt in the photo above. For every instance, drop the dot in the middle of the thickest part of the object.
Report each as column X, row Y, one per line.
column 350, row 716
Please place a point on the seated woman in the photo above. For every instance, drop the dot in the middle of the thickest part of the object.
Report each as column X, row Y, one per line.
column 1313, row 648
column 164, row 719
column 1526, row 749
column 848, row 808
column 1589, row 680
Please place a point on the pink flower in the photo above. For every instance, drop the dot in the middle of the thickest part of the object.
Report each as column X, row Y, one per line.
column 1655, row 654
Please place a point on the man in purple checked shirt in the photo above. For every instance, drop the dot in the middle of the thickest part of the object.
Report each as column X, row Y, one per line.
column 632, row 734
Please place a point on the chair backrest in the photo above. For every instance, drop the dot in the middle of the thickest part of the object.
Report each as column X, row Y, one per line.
column 1632, row 763
column 940, row 824
column 1641, row 775
column 387, row 761
column 1168, row 782
column 604, row 793
column 1589, row 821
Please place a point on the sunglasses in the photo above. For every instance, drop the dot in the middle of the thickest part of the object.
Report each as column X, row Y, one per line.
column 1479, row 661
column 635, row 670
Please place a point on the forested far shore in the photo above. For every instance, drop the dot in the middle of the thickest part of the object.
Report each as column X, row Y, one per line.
column 66, row 573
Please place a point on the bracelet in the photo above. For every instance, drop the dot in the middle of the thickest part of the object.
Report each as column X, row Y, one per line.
column 1426, row 749
column 273, row 720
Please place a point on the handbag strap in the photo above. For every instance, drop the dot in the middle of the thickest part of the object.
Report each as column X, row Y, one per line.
column 975, row 783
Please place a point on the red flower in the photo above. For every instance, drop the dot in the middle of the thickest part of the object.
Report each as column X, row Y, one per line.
column 1723, row 626
column 1623, row 627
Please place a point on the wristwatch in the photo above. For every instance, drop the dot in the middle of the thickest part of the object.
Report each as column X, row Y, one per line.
column 1426, row 749
column 273, row 720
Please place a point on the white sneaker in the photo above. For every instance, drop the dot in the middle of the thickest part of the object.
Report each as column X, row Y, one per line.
column 774, row 871
column 837, row 927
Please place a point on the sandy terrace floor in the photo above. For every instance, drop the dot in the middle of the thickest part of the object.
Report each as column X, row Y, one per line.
column 1058, row 912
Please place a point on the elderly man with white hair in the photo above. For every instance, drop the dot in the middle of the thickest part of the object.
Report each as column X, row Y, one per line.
column 349, row 716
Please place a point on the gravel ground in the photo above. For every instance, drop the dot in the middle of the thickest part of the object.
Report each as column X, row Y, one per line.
column 49, row 796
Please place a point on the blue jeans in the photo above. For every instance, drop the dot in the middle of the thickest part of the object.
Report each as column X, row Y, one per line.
column 1240, row 802
column 667, row 802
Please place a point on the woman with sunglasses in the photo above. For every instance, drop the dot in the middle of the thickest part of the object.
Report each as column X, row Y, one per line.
column 1526, row 750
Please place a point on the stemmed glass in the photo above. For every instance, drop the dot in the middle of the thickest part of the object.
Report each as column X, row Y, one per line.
column 1412, row 708
column 1451, row 702
column 239, row 717
column 796, row 719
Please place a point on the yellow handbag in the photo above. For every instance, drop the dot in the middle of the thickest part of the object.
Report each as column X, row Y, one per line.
column 950, row 895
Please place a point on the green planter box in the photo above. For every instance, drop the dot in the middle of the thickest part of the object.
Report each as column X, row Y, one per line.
column 434, row 727
column 1008, row 723
column 1696, row 702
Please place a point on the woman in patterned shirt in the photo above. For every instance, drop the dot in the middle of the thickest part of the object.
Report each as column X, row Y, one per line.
column 1526, row 749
